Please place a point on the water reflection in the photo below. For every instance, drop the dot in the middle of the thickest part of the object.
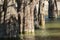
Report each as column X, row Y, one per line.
column 33, row 38
column 29, row 37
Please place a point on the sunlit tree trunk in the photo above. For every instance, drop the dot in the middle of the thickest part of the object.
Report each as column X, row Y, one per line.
column 41, row 17
column 52, row 10
column 25, row 11
column 28, row 18
column 29, row 15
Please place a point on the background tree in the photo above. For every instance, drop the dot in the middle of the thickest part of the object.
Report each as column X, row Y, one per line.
column 36, row 22
column 2, row 27
column 10, row 18
column 29, row 15
column 52, row 9
column 20, row 11
column 41, row 17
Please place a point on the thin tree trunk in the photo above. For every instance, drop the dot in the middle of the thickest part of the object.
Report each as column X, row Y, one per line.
column 5, row 10
column 20, row 4
column 21, row 16
column 41, row 14
column 52, row 10
column 36, row 22
column 25, row 12
column 2, row 27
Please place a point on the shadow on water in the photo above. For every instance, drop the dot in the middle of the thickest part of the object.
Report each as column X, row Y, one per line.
column 47, row 38
column 38, row 37
column 34, row 38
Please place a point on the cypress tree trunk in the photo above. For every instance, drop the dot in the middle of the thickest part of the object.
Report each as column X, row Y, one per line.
column 25, row 12
column 29, row 15
column 21, row 16
column 2, row 27
column 41, row 14
column 1, row 11
column 10, row 19
column 36, row 22
column 52, row 10
column 29, row 27
column 20, row 10
column 4, row 20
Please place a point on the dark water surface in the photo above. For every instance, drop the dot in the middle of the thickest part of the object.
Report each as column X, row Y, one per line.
column 33, row 38
column 52, row 28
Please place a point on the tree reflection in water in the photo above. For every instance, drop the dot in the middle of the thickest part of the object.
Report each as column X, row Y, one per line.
column 33, row 38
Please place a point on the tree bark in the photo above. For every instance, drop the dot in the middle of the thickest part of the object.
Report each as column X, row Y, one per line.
column 20, row 10
column 10, row 18
column 2, row 27
column 25, row 15
column 36, row 22
column 28, row 18
column 52, row 10
column 41, row 17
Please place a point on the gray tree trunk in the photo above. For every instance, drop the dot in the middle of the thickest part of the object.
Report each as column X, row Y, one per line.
column 52, row 10
column 2, row 27
column 10, row 18
column 36, row 22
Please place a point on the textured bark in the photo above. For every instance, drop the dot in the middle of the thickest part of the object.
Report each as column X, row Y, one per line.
column 2, row 28
column 53, row 10
column 10, row 18
column 29, row 24
column 41, row 14
column 36, row 22
column 25, row 15
column 29, row 15
column 20, row 10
